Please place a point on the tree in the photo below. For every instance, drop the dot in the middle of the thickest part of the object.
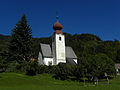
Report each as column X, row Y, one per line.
column 3, row 64
column 21, row 41
column 100, row 64
column 81, row 68
column 3, row 60
column 118, row 56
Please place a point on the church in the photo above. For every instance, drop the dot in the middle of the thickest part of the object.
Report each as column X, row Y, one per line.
column 58, row 52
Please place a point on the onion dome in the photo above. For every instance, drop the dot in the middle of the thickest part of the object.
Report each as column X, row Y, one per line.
column 57, row 25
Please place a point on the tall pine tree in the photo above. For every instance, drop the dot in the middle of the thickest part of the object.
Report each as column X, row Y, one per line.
column 21, row 41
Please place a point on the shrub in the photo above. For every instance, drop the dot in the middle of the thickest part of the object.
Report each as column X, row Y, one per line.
column 32, row 68
column 63, row 71
column 42, row 69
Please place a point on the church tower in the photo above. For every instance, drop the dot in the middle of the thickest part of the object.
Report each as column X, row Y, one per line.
column 58, row 44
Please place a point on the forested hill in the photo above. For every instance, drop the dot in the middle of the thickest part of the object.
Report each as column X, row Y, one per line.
column 83, row 44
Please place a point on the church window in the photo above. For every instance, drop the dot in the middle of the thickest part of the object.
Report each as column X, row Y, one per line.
column 60, row 38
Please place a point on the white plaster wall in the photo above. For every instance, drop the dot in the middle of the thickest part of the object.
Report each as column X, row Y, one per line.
column 117, row 70
column 75, row 60
column 40, row 60
column 61, row 61
column 53, row 50
column 47, row 60
column 60, row 47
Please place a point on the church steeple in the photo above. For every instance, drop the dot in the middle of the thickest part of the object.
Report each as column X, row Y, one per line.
column 59, row 53
column 58, row 44
column 57, row 27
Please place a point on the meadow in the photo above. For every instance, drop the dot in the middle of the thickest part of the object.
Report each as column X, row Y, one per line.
column 16, row 81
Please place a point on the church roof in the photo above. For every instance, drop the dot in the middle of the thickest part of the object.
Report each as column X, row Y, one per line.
column 70, row 61
column 70, row 53
column 45, row 50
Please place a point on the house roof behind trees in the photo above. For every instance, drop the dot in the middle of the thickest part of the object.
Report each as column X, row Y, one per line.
column 117, row 66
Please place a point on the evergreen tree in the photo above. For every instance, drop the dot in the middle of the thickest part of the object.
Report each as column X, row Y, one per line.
column 21, row 41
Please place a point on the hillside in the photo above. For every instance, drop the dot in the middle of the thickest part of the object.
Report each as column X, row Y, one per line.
column 82, row 44
column 71, row 40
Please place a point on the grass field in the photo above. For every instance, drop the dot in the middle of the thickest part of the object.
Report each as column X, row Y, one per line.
column 15, row 81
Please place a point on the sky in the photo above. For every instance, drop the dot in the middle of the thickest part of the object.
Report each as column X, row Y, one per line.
column 98, row 17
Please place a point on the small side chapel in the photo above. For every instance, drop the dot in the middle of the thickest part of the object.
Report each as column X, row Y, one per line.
column 58, row 53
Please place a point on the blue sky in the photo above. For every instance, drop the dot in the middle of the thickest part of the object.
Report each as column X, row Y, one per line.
column 99, row 17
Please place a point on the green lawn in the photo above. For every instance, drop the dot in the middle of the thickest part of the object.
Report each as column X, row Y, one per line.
column 15, row 81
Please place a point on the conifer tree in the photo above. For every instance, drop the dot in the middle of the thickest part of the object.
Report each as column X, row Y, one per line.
column 21, row 41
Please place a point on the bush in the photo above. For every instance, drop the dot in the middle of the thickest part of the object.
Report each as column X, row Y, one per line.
column 3, row 64
column 47, row 69
column 16, row 67
column 63, row 71
column 32, row 68
column 42, row 69
column 12, row 67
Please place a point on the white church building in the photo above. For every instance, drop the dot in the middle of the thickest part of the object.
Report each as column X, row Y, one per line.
column 58, row 52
